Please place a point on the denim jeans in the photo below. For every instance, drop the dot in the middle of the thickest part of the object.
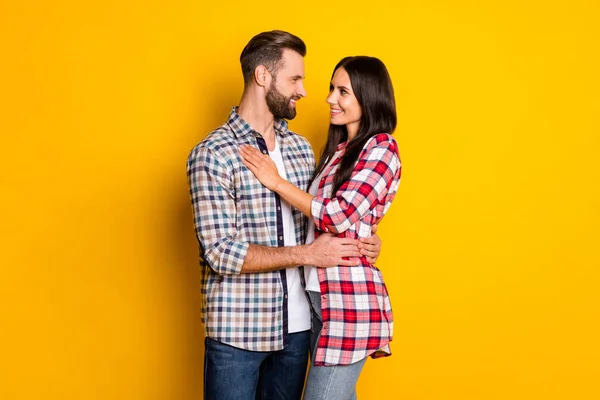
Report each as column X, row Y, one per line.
column 336, row 382
column 231, row 373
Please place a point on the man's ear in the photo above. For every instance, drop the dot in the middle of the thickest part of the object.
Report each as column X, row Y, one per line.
column 262, row 76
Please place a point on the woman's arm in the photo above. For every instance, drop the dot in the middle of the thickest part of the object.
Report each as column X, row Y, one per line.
column 377, row 168
column 265, row 170
column 372, row 175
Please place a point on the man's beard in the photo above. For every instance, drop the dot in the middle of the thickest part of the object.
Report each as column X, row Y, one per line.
column 278, row 104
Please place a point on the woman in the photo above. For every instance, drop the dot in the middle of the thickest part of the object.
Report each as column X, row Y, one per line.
column 352, row 188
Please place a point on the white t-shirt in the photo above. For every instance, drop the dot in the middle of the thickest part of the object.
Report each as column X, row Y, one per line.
column 298, row 308
column 310, row 271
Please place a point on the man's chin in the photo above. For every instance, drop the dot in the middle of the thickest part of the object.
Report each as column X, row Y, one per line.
column 292, row 113
column 289, row 116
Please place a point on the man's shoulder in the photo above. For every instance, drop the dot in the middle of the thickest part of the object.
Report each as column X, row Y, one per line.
column 218, row 141
column 299, row 140
column 221, row 137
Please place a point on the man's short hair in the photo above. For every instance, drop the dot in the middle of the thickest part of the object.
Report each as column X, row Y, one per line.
column 266, row 49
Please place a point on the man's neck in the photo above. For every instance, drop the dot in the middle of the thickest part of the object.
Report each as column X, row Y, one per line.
column 259, row 117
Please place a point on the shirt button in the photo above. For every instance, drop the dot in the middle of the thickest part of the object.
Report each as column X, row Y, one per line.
column 324, row 297
column 280, row 237
column 324, row 326
column 278, row 208
column 264, row 152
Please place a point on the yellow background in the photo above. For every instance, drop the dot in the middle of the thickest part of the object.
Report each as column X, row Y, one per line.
column 490, row 250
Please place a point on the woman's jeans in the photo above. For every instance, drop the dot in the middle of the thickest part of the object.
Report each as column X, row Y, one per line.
column 328, row 382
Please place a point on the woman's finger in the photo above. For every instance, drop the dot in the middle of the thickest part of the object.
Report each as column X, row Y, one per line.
column 252, row 152
column 249, row 165
column 249, row 157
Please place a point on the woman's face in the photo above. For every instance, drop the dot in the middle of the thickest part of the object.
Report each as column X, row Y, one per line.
column 344, row 107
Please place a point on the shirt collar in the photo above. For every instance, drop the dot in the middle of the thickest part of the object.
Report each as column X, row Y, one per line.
column 242, row 128
column 341, row 146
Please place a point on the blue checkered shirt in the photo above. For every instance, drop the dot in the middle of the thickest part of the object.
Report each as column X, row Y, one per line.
column 231, row 210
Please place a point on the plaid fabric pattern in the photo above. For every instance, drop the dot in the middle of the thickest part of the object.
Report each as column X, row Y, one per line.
column 231, row 210
column 356, row 309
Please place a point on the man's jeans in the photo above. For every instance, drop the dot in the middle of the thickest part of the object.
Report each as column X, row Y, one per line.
column 231, row 373
column 336, row 382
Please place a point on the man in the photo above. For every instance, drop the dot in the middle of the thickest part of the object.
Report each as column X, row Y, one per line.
column 255, row 310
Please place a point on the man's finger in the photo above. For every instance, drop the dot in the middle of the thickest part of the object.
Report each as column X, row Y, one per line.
column 368, row 242
column 348, row 249
column 325, row 234
column 350, row 263
column 368, row 246
column 348, row 241
column 368, row 253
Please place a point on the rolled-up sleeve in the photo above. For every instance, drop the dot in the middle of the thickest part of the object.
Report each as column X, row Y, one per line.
column 370, row 181
column 212, row 191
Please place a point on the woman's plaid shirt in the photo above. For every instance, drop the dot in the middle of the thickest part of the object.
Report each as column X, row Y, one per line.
column 231, row 210
column 356, row 309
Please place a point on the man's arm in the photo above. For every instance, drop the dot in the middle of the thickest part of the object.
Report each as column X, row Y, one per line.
column 210, row 178
column 326, row 251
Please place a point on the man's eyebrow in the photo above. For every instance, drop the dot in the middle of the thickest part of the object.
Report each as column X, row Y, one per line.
column 298, row 77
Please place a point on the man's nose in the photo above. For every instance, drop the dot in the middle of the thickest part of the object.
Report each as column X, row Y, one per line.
column 302, row 91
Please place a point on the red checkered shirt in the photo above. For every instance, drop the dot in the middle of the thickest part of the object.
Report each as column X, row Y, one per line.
column 356, row 309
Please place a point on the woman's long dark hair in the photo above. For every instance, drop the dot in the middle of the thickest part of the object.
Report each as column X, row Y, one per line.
column 373, row 89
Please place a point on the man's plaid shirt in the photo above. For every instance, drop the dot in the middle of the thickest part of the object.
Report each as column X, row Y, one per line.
column 356, row 309
column 232, row 209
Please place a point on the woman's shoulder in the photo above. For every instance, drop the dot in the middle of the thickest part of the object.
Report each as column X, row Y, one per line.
column 383, row 140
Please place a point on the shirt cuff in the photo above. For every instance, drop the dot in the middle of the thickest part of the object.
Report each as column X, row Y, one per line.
column 230, row 259
column 317, row 209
